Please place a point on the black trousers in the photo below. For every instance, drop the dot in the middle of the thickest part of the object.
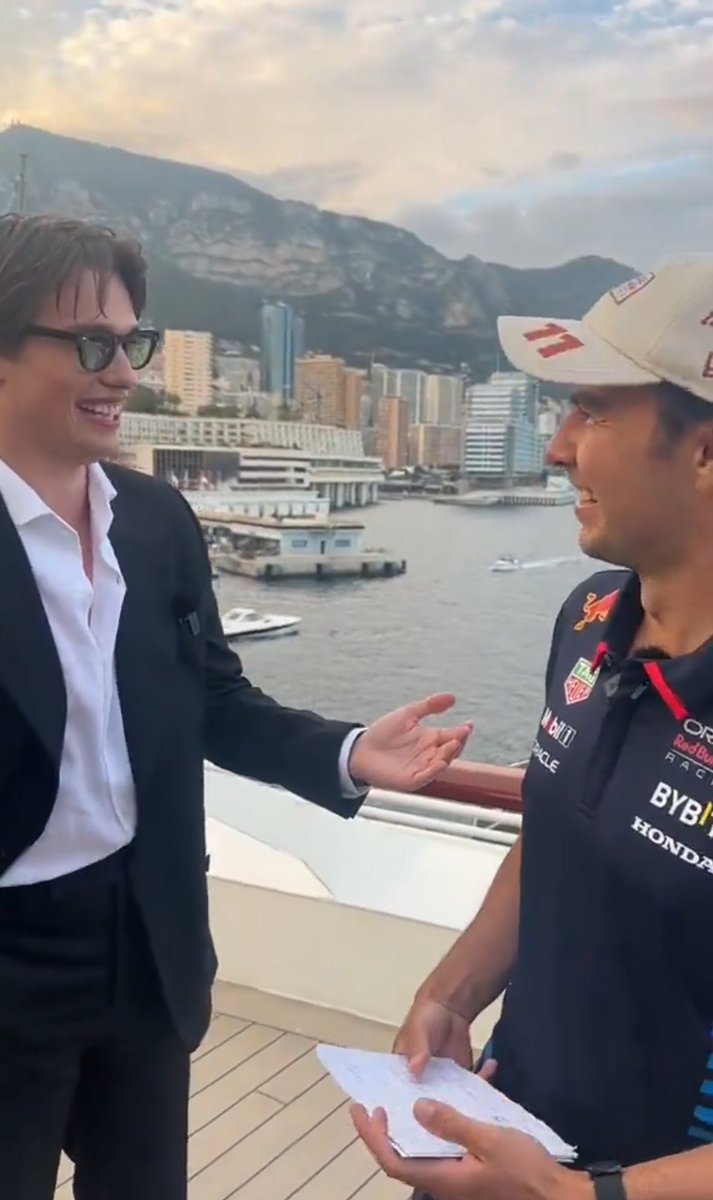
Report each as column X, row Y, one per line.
column 89, row 1060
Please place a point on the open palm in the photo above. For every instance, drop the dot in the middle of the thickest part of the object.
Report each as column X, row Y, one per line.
column 400, row 753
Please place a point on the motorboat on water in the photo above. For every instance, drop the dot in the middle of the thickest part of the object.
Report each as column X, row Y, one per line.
column 506, row 562
column 247, row 623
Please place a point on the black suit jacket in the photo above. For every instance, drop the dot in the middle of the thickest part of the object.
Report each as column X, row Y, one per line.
column 184, row 698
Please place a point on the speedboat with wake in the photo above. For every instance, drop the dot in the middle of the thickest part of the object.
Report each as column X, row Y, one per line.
column 506, row 562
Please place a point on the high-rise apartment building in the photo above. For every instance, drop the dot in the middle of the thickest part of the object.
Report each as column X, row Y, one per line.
column 411, row 387
column 282, row 343
column 501, row 436
column 383, row 381
column 392, row 432
column 506, row 396
column 435, row 445
column 328, row 392
column 443, row 400
column 320, row 389
column 188, row 368
column 354, row 391
column 432, row 399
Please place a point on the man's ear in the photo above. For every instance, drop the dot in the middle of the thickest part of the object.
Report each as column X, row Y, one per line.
column 704, row 456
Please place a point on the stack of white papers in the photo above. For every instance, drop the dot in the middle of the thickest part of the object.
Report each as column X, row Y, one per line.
column 384, row 1081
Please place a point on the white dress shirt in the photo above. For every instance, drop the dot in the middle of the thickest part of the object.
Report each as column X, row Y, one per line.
column 95, row 810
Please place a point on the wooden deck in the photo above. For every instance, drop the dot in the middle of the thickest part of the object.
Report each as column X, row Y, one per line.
column 265, row 1121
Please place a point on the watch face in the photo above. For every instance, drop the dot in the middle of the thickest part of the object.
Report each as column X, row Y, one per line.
column 604, row 1168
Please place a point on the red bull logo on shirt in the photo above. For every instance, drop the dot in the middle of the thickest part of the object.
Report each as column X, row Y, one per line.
column 596, row 608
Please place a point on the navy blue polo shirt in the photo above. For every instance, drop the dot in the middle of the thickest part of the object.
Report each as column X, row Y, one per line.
column 606, row 1025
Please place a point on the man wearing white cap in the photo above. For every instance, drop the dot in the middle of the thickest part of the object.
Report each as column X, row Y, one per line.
column 599, row 924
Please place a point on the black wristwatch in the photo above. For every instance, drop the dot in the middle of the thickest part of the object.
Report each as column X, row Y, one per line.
column 608, row 1180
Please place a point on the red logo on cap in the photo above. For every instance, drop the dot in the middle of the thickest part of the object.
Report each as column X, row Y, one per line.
column 564, row 340
column 708, row 369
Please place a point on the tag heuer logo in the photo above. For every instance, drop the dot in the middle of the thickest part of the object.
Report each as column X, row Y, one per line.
column 579, row 682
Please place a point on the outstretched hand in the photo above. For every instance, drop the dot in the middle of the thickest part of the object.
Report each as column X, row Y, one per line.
column 498, row 1164
column 399, row 753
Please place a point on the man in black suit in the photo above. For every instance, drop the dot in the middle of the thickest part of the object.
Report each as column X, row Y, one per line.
column 115, row 684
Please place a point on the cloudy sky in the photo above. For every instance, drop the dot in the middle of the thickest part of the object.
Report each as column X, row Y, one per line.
column 524, row 131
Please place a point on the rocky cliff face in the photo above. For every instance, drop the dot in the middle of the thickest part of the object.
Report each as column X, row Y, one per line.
column 218, row 247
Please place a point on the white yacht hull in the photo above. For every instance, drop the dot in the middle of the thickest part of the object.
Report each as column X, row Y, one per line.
column 268, row 631
column 241, row 623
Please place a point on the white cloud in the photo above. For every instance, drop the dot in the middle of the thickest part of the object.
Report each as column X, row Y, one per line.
column 471, row 116
column 636, row 221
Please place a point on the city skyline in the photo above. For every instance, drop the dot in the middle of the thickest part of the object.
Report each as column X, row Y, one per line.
column 522, row 131
column 493, row 430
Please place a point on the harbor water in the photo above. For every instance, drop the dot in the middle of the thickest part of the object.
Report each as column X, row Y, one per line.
column 448, row 624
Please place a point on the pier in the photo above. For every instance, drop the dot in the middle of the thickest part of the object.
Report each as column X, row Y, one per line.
column 539, row 499
column 557, row 492
column 283, row 547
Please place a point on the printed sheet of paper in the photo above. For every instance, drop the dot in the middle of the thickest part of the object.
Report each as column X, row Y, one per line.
column 384, row 1081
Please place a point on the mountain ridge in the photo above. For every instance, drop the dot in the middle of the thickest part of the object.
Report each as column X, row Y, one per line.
column 218, row 246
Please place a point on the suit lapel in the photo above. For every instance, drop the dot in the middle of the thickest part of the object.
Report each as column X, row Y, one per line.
column 143, row 646
column 30, row 670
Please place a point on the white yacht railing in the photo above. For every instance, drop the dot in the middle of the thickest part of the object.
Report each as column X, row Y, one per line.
column 443, row 816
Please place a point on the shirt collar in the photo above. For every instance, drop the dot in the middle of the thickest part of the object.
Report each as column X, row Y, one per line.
column 101, row 494
column 685, row 683
column 24, row 505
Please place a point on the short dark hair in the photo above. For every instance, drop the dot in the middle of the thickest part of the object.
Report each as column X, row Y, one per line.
column 680, row 411
column 41, row 255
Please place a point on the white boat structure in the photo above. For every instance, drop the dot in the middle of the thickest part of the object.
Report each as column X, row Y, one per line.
column 240, row 623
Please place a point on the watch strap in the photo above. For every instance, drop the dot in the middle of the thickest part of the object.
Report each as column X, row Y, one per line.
column 609, row 1186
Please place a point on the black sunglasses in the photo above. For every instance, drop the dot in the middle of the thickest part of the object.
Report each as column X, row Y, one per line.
column 97, row 350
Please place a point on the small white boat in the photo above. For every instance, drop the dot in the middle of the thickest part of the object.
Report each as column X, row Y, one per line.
column 506, row 562
column 246, row 622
